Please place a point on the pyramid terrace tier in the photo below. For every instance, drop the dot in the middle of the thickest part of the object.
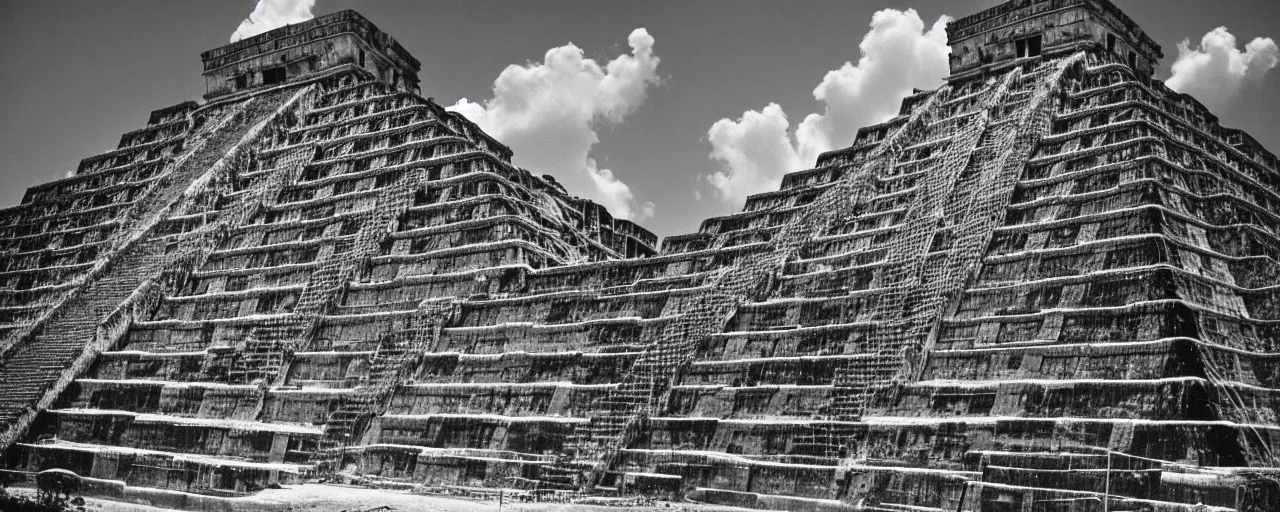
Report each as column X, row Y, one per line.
column 1051, row 282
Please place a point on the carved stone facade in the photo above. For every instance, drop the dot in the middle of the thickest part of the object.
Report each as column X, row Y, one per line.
column 1048, row 285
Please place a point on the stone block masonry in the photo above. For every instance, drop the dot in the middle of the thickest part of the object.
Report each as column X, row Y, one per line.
column 1048, row 285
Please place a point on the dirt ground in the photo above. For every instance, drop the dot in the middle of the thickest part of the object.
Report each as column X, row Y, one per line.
column 335, row 498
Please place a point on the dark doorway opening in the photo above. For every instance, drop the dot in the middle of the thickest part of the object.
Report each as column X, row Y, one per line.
column 273, row 76
column 1029, row 47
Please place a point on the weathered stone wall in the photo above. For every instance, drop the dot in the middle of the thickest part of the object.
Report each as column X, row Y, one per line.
column 1049, row 282
column 299, row 50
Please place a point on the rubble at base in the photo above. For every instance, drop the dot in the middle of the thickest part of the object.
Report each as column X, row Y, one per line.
column 1050, row 284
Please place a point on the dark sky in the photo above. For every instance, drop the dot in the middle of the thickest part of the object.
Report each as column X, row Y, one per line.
column 78, row 74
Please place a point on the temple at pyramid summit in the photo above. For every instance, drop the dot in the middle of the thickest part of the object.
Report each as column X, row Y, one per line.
column 1052, row 284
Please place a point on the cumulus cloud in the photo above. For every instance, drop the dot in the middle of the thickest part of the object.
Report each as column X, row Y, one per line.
column 549, row 112
column 754, row 150
column 1216, row 72
column 898, row 54
column 272, row 14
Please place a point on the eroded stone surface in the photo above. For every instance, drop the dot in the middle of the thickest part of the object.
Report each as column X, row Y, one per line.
column 1048, row 285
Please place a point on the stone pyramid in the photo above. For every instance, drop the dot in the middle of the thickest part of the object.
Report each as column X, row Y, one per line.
column 1050, row 284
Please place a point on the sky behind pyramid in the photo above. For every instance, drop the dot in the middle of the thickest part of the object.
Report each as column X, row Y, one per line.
column 77, row 74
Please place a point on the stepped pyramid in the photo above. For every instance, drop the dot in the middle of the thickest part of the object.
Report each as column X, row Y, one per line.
column 1050, row 284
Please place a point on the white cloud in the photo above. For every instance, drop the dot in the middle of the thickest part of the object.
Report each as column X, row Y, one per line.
column 754, row 152
column 646, row 210
column 898, row 54
column 272, row 14
column 1216, row 72
column 548, row 113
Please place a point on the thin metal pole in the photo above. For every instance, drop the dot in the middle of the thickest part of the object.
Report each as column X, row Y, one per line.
column 1106, row 495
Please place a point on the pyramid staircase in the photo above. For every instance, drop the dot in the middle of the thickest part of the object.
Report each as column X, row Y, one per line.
column 266, row 348
column 36, row 369
column 270, row 346
column 349, row 420
column 393, row 357
column 918, row 290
